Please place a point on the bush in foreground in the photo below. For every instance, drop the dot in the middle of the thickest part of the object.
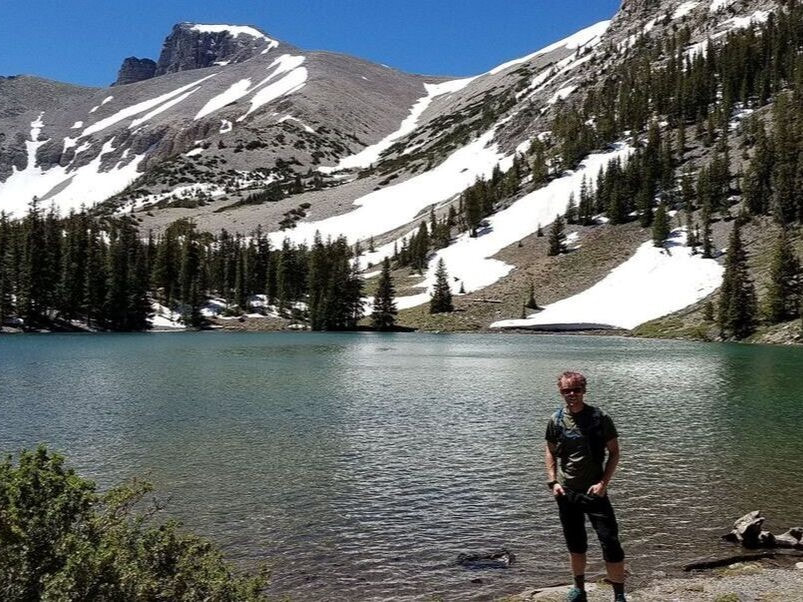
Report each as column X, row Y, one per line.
column 62, row 540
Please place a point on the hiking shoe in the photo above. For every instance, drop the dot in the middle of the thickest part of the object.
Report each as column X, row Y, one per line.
column 576, row 595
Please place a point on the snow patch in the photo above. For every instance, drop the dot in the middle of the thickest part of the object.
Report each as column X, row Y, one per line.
column 234, row 93
column 393, row 206
column 654, row 282
column 77, row 125
column 140, row 108
column 161, row 108
column 684, row 9
column 225, row 126
column 84, row 186
column 295, row 79
column 307, row 128
column 561, row 94
column 236, row 31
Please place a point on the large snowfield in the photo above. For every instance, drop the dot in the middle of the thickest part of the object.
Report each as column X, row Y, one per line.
column 654, row 282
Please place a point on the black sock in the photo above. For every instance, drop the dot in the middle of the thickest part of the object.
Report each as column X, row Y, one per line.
column 618, row 588
column 580, row 581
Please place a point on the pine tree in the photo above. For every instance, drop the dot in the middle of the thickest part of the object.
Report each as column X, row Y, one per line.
column 784, row 291
column 166, row 266
column 704, row 239
column 32, row 278
column 660, row 226
column 557, row 237
column 708, row 311
column 571, row 215
column 96, row 283
column 531, row 303
column 737, row 296
column 441, row 301
column 384, row 315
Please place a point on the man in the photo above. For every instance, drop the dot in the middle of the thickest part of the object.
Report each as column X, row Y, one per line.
column 577, row 439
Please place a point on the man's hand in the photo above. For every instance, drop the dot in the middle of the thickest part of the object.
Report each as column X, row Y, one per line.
column 557, row 490
column 600, row 489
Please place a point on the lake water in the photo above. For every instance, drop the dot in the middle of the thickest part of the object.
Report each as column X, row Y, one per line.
column 360, row 465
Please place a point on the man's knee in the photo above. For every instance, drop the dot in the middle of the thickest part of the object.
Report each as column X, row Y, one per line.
column 612, row 550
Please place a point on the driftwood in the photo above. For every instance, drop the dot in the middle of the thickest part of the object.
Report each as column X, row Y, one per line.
column 718, row 562
column 748, row 532
column 713, row 563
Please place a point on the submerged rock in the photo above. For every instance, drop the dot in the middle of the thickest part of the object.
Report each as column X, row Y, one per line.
column 498, row 559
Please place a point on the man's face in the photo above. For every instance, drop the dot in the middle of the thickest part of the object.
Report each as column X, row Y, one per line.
column 572, row 392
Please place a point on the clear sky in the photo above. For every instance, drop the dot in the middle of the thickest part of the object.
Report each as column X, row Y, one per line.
column 84, row 41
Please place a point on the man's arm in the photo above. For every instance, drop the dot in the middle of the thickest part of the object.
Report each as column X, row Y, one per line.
column 601, row 488
column 551, row 462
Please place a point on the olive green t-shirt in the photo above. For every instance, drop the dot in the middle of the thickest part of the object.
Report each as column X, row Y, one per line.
column 577, row 467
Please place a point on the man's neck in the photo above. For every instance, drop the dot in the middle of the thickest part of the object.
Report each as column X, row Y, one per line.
column 578, row 407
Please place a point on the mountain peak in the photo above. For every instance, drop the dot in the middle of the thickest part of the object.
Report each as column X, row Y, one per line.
column 195, row 46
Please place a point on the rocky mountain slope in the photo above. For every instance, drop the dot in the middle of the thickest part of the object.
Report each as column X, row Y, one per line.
column 331, row 143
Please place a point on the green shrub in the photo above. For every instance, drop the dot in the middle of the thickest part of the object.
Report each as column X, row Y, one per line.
column 62, row 540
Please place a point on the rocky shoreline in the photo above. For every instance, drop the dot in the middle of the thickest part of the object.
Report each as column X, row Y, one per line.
column 764, row 580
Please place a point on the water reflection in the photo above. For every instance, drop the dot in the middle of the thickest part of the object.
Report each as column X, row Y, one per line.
column 362, row 465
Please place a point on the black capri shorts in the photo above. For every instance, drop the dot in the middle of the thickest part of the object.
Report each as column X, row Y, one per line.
column 573, row 507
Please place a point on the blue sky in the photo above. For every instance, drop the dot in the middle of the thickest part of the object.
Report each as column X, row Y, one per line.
column 84, row 41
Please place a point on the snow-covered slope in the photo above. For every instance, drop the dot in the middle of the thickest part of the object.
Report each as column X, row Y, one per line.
column 652, row 283
column 372, row 148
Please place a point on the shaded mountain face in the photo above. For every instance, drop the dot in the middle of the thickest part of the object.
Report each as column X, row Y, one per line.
column 135, row 70
column 228, row 111
column 191, row 46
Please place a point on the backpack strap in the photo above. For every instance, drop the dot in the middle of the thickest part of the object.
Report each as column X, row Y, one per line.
column 594, row 436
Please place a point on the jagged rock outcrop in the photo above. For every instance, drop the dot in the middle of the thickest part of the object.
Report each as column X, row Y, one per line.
column 191, row 46
column 135, row 70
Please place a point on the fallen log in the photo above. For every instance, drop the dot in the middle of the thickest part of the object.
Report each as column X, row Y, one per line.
column 713, row 563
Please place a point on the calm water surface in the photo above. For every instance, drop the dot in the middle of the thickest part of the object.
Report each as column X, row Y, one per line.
column 360, row 466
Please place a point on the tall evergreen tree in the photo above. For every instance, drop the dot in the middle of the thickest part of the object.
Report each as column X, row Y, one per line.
column 557, row 237
column 441, row 301
column 384, row 314
column 737, row 296
column 784, row 291
column 660, row 226
column 96, row 284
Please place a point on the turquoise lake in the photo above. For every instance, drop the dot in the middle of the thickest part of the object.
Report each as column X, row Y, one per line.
column 360, row 465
